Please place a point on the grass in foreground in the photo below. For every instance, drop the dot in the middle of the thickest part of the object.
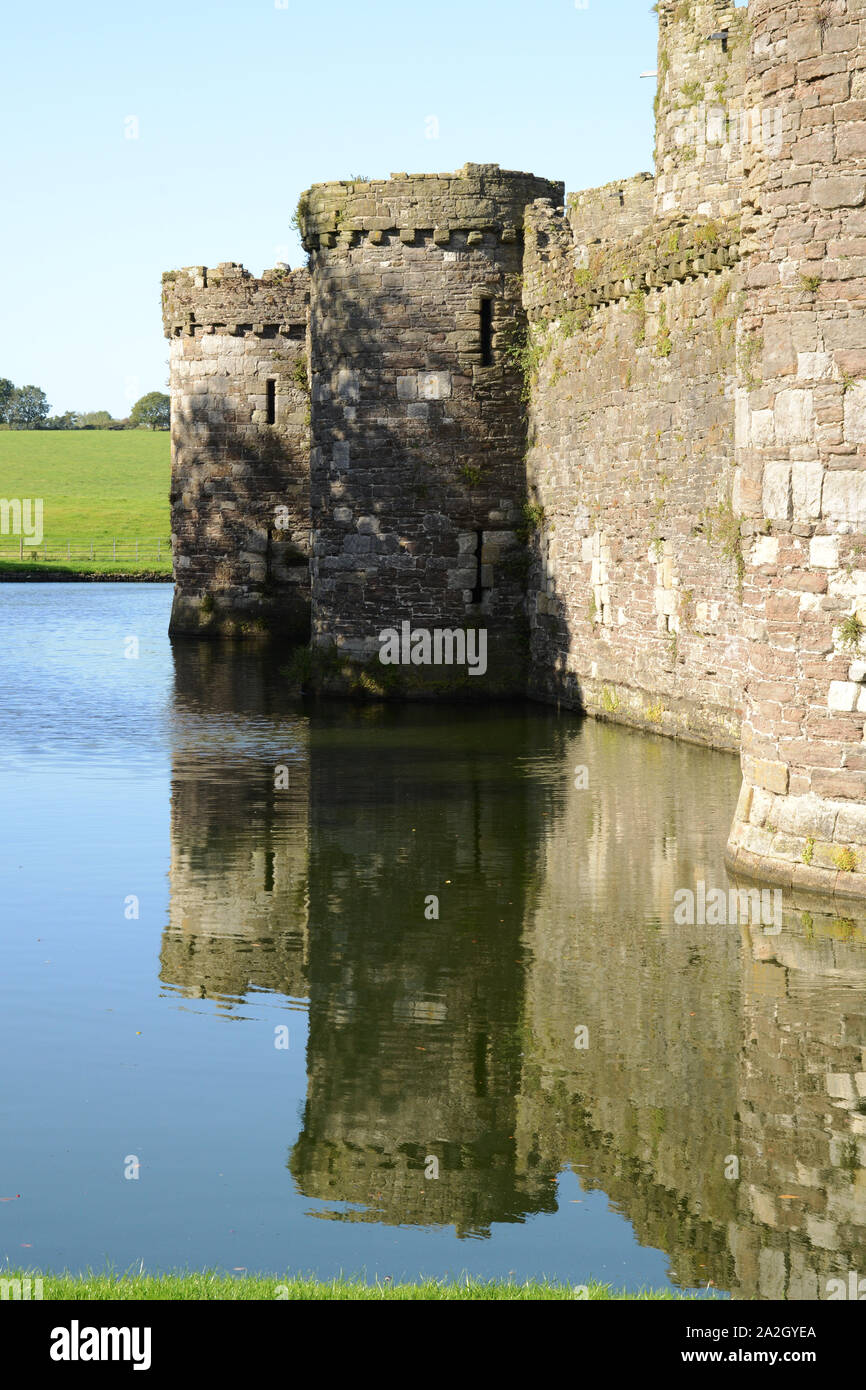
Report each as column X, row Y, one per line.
column 96, row 486
column 213, row 1285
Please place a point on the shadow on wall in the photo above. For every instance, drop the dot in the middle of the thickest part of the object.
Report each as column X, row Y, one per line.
column 240, row 508
column 417, row 483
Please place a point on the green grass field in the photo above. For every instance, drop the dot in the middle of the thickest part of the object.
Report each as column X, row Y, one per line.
column 97, row 487
column 209, row 1285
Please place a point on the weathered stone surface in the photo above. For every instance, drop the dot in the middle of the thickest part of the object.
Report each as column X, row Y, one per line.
column 240, row 485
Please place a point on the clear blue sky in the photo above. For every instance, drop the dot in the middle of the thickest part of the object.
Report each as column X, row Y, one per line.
column 241, row 105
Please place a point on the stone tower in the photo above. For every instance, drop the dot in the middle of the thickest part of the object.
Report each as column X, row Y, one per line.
column 240, row 450
column 417, row 477
column 801, row 452
column 702, row 53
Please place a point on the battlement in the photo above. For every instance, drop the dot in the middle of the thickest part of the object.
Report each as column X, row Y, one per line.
column 613, row 211
column 229, row 299
column 565, row 274
column 477, row 198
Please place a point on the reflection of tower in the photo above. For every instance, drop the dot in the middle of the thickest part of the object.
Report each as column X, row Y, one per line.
column 415, row 1043
column 801, row 1218
column 238, row 915
column 646, row 1108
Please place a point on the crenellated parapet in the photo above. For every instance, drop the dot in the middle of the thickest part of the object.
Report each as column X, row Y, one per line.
column 564, row 273
column 478, row 200
column 199, row 300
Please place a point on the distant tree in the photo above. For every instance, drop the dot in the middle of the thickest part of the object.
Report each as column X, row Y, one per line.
column 94, row 420
column 152, row 410
column 28, row 408
column 7, row 391
column 67, row 421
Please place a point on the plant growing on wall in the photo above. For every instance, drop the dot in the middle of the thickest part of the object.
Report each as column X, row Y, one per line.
column 850, row 632
column 721, row 526
column 300, row 215
column 664, row 343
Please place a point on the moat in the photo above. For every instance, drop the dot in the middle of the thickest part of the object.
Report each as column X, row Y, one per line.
column 396, row 989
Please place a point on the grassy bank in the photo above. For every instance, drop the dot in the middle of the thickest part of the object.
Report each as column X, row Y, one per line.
column 210, row 1285
column 104, row 493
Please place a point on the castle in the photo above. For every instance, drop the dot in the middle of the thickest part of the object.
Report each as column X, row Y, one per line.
column 623, row 434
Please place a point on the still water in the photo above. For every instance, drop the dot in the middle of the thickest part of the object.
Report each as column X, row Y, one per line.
column 221, row 971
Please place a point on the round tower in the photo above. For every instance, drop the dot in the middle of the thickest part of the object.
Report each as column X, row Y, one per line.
column 239, row 451
column 801, row 450
column 702, row 50
column 418, row 485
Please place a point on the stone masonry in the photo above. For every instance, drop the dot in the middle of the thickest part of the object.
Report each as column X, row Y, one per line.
column 417, row 469
column 240, row 499
column 622, row 433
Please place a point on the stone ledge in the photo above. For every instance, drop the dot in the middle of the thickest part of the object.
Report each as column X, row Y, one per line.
column 785, row 874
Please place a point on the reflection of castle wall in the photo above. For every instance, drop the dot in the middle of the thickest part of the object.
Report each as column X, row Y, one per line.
column 415, row 1040
column 801, row 1218
column 647, row 1110
column 454, row 1038
column 239, row 845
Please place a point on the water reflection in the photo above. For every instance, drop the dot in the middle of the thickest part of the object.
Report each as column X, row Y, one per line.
column 238, row 915
column 717, row 1101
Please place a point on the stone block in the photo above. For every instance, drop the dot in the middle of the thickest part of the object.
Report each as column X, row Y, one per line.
column 346, row 385
column 844, row 496
column 434, row 386
column 843, row 695
column 824, row 552
column 855, row 413
column 776, row 492
column 839, row 191
column 794, row 419
column 773, row 776
column 816, row 366
column 806, row 483
column 840, row 1086
column 762, row 429
column 851, row 825
column 765, row 551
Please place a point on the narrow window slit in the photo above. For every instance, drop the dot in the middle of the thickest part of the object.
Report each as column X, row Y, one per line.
column 271, row 400
column 478, row 591
column 487, row 332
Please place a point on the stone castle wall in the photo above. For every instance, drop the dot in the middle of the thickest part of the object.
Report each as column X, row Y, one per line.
column 642, row 478
column 633, row 594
